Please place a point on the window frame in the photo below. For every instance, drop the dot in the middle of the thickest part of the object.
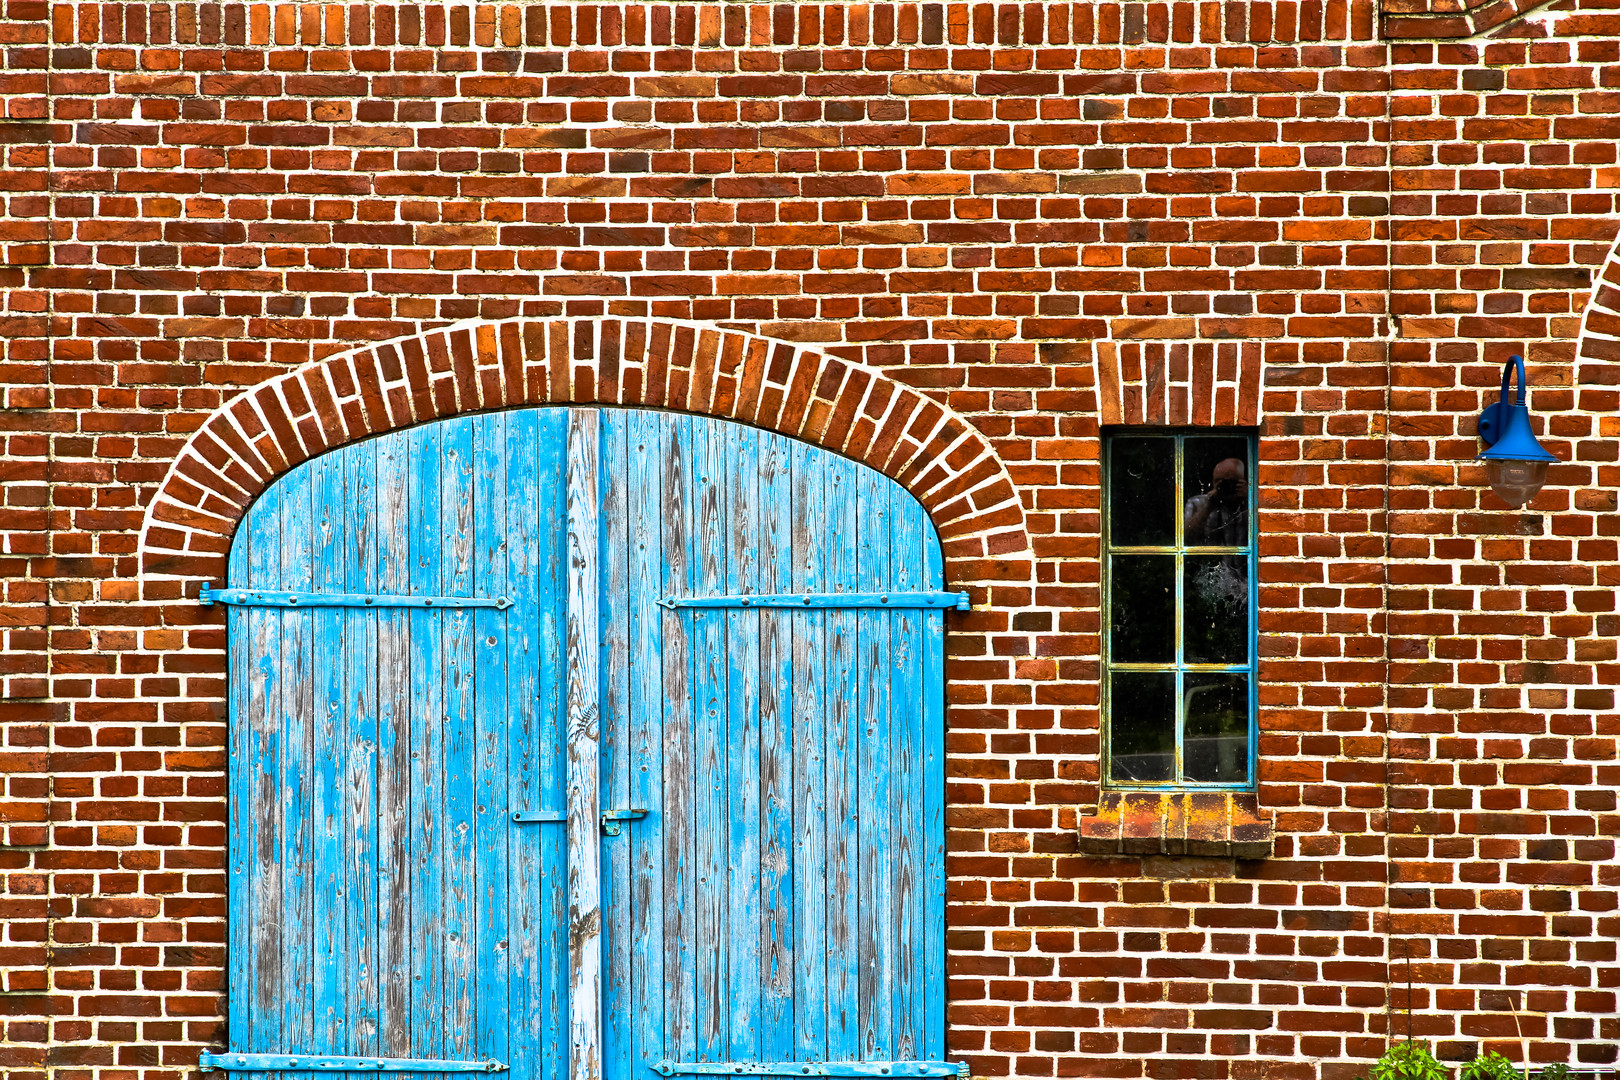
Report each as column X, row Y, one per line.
column 1179, row 550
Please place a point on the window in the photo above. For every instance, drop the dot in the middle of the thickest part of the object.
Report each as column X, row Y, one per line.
column 1178, row 586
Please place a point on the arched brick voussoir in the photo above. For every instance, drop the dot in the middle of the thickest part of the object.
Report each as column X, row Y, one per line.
column 853, row 410
column 1597, row 352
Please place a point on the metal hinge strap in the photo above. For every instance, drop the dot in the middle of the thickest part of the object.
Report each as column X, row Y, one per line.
column 267, row 598
column 810, row 1068
column 338, row 1063
column 938, row 600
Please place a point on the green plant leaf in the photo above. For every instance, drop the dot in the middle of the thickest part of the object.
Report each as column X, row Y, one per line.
column 1410, row 1061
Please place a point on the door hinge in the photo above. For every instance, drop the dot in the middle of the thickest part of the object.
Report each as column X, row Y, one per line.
column 937, row 600
column 338, row 1063
column 209, row 596
column 810, row 1068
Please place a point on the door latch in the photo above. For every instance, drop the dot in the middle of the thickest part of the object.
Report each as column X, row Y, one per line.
column 613, row 820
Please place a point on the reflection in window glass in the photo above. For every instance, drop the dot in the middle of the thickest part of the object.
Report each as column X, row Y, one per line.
column 1179, row 566
column 1215, row 489
column 1215, row 602
column 1215, row 746
column 1144, row 631
column 1145, row 749
column 1139, row 472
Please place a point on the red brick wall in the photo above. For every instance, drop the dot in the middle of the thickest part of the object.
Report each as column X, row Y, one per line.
column 1006, row 207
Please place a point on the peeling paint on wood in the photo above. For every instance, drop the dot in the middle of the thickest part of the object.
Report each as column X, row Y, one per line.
column 751, row 868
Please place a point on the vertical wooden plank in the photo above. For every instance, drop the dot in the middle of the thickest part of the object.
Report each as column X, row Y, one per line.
column 738, row 469
column 240, row 688
column 680, row 713
column 426, row 639
column 295, row 994
column 492, row 719
column 459, row 778
column 811, row 538
column 875, row 940
column 776, row 772
column 584, row 880
column 843, row 742
column 645, row 443
column 327, row 761
column 709, row 536
column 524, row 556
column 394, row 748
column 256, row 822
column 536, row 550
column 550, row 527
column 933, row 802
column 907, row 530
column 358, row 748
column 616, row 601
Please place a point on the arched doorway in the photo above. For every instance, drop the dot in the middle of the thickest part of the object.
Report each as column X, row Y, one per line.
column 587, row 742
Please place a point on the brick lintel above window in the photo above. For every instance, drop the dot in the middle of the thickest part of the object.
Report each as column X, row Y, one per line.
column 1178, row 823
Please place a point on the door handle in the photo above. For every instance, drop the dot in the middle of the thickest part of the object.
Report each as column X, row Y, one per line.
column 613, row 820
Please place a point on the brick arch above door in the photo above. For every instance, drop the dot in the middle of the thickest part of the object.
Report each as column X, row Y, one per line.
column 852, row 409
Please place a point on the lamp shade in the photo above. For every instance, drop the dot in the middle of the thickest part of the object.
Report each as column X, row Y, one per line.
column 1515, row 463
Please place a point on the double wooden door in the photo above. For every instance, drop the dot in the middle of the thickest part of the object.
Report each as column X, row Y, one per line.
column 579, row 743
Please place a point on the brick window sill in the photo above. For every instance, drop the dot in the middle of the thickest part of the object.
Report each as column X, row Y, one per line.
column 1178, row 823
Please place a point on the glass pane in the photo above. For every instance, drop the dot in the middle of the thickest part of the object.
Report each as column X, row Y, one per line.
column 1216, row 621
column 1142, row 609
column 1141, row 492
column 1216, row 487
column 1142, row 726
column 1216, row 745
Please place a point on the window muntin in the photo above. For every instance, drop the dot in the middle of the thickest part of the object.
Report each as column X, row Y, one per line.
column 1179, row 585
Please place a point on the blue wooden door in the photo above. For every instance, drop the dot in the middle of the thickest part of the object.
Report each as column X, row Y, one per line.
column 383, row 901
column 410, row 881
column 782, row 901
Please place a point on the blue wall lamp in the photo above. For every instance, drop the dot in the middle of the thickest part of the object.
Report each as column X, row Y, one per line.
column 1515, row 463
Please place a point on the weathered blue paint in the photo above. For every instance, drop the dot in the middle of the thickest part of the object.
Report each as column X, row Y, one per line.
column 649, row 529
column 875, row 809
column 807, row 981
column 383, row 903
column 894, row 601
column 328, row 727
column 809, row 1068
column 491, row 706
column 613, row 565
column 741, row 777
column 233, row 1062
column 777, row 918
column 841, row 821
column 771, row 782
column 776, row 681
column 532, row 816
column 613, row 820
column 208, row 595
column 359, row 773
